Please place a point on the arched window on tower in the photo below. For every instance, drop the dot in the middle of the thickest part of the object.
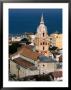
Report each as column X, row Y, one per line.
column 43, row 34
column 43, row 48
column 56, row 36
column 48, row 43
column 40, row 43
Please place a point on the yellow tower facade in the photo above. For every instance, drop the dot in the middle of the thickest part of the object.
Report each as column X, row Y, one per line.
column 42, row 38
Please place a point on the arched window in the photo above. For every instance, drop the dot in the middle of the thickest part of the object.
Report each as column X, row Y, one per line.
column 43, row 65
column 56, row 36
column 48, row 43
column 50, row 38
column 43, row 48
column 43, row 43
column 43, row 34
column 40, row 43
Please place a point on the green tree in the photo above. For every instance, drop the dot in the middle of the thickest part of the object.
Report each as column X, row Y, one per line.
column 25, row 40
column 54, row 50
column 13, row 48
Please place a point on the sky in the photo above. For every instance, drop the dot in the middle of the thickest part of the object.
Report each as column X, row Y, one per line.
column 27, row 20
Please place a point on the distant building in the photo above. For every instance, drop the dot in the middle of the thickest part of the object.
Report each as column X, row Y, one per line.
column 16, row 38
column 32, row 38
column 56, row 40
column 10, row 40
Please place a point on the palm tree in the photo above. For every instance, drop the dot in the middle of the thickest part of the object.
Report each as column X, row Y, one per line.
column 18, row 68
column 54, row 50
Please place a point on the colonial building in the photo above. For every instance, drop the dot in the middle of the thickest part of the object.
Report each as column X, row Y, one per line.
column 27, row 62
column 46, row 65
column 24, row 62
column 56, row 40
column 42, row 38
column 22, row 68
column 35, row 58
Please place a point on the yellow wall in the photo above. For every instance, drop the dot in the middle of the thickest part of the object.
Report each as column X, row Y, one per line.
column 57, row 38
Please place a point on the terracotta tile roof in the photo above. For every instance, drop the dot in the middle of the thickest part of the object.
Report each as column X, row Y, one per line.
column 29, row 46
column 57, row 74
column 23, row 62
column 27, row 52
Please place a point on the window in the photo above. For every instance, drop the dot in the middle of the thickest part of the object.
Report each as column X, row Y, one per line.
column 43, row 43
column 43, row 34
column 56, row 36
column 43, row 48
column 43, row 65
column 48, row 43
column 40, row 43
column 50, row 38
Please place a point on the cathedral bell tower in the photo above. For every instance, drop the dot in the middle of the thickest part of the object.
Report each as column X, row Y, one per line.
column 41, row 38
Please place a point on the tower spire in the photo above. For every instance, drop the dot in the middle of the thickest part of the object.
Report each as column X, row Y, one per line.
column 42, row 19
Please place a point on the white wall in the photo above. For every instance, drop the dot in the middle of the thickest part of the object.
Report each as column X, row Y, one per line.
column 22, row 72
column 16, row 38
column 48, row 67
column 13, row 68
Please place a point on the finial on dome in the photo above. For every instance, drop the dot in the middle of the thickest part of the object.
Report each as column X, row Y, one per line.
column 56, row 32
column 42, row 19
